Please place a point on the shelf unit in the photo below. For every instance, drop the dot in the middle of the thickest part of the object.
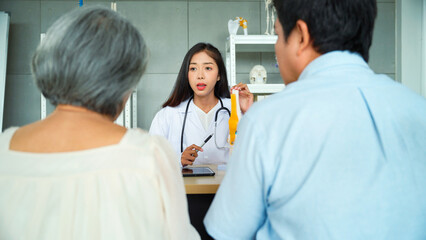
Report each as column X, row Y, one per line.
column 249, row 43
column 265, row 88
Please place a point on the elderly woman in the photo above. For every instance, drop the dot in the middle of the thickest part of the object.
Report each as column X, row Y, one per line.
column 76, row 174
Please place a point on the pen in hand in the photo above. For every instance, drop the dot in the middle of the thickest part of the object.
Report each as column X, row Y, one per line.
column 205, row 141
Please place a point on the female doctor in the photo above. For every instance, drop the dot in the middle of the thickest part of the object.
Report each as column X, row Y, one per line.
column 199, row 106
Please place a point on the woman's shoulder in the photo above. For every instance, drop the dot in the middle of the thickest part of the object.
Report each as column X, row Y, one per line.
column 148, row 144
column 140, row 138
column 136, row 137
column 226, row 101
column 181, row 107
column 170, row 109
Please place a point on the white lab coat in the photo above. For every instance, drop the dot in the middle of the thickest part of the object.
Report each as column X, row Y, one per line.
column 168, row 123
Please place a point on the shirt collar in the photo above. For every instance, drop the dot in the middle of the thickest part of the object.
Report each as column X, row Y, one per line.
column 330, row 60
column 182, row 106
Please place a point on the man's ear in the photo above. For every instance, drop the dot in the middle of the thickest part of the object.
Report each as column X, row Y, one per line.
column 305, row 40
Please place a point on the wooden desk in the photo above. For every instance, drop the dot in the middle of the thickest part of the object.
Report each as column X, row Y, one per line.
column 204, row 184
column 200, row 193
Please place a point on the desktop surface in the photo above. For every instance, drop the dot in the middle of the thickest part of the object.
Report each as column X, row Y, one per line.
column 204, row 184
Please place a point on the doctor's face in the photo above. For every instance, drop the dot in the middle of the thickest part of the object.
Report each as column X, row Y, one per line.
column 203, row 73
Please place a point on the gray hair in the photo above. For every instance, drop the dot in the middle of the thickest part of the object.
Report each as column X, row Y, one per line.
column 91, row 57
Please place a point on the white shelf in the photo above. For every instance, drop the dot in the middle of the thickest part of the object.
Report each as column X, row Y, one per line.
column 250, row 43
column 265, row 88
column 254, row 39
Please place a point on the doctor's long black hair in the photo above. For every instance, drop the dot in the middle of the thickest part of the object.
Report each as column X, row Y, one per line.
column 182, row 90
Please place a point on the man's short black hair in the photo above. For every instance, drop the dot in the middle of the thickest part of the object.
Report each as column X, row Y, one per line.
column 333, row 24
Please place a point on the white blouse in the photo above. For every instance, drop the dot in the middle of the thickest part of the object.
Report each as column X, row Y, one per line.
column 131, row 190
column 206, row 118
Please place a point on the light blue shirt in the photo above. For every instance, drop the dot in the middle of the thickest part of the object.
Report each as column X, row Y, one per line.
column 338, row 154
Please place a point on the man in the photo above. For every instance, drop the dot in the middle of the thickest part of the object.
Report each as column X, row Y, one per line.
column 340, row 153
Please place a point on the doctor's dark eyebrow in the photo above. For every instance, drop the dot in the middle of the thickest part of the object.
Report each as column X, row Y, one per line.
column 203, row 63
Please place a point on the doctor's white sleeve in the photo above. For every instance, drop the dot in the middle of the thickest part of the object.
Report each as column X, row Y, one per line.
column 159, row 125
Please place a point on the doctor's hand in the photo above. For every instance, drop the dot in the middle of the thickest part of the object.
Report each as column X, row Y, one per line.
column 189, row 155
column 245, row 96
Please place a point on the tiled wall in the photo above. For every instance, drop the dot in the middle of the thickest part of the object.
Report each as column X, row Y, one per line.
column 170, row 28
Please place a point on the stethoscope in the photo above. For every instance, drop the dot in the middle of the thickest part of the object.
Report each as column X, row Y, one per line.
column 215, row 121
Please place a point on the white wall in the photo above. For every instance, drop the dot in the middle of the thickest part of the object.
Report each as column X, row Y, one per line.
column 188, row 21
column 410, row 44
